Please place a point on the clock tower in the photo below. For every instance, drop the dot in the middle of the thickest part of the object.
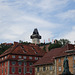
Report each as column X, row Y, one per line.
column 35, row 36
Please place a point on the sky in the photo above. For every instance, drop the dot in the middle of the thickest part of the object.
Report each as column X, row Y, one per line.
column 54, row 19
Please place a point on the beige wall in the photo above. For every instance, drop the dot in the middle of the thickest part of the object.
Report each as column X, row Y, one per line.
column 46, row 72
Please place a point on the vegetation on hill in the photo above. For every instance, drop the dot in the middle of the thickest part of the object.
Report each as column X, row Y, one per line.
column 4, row 47
column 44, row 48
column 55, row 44
column 26, row 43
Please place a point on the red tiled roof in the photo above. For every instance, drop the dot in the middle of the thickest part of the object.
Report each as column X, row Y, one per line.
column 18, row 48
column 7, row 43
column 48, row 58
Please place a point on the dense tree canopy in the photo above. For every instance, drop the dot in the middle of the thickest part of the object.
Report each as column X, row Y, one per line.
column 4, row 47
column 58, row 43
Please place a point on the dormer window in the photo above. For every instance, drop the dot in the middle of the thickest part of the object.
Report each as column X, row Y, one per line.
column 36, row 52
column 13, row 56
column 20, row 57
column 24, row 51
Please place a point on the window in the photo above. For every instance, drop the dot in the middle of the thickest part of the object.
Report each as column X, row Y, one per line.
column 5, row 63
column 20, row 63
column 2, row 64
column 13, row 62
column 13, row 69
column 24, row 57
column 59, row 68
column 30, row 70
column 74, row 66
column 50, row 67
column 74, row 57
column 44, row 68
column 13, row 56
column 25, row 63
column 2, row 58
column 19, row 70
column 2, row 70
column 36, row 58
column 30, row 57
column 5, row 70
column 24, row 70
column 59, row 60
column 20, row 57
column 5, row 57
column 37, row 69
column 30, row 63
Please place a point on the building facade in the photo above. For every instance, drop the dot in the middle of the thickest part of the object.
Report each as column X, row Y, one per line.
column 45, row 70
column 59, row 64
column 69, row 51
column 18, row 59
column 52, row 62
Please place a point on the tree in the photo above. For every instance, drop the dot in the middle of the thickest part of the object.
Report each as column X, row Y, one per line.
column 4, row 47
column 54, row 45
column 58, row 43
column 44, row 48
column 64, row 41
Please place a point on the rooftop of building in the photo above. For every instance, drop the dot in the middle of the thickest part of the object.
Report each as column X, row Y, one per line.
column 49, row 57
column 23, row 49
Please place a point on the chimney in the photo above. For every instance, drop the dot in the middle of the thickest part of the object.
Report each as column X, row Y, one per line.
column 15, row 43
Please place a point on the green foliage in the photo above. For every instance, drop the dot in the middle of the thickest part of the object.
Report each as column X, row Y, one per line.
column 4, row 47
column 58, row 43
column 42, row 44
column 44, row 48
column 26, row 43
column 64, row 41
column 52, row 46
